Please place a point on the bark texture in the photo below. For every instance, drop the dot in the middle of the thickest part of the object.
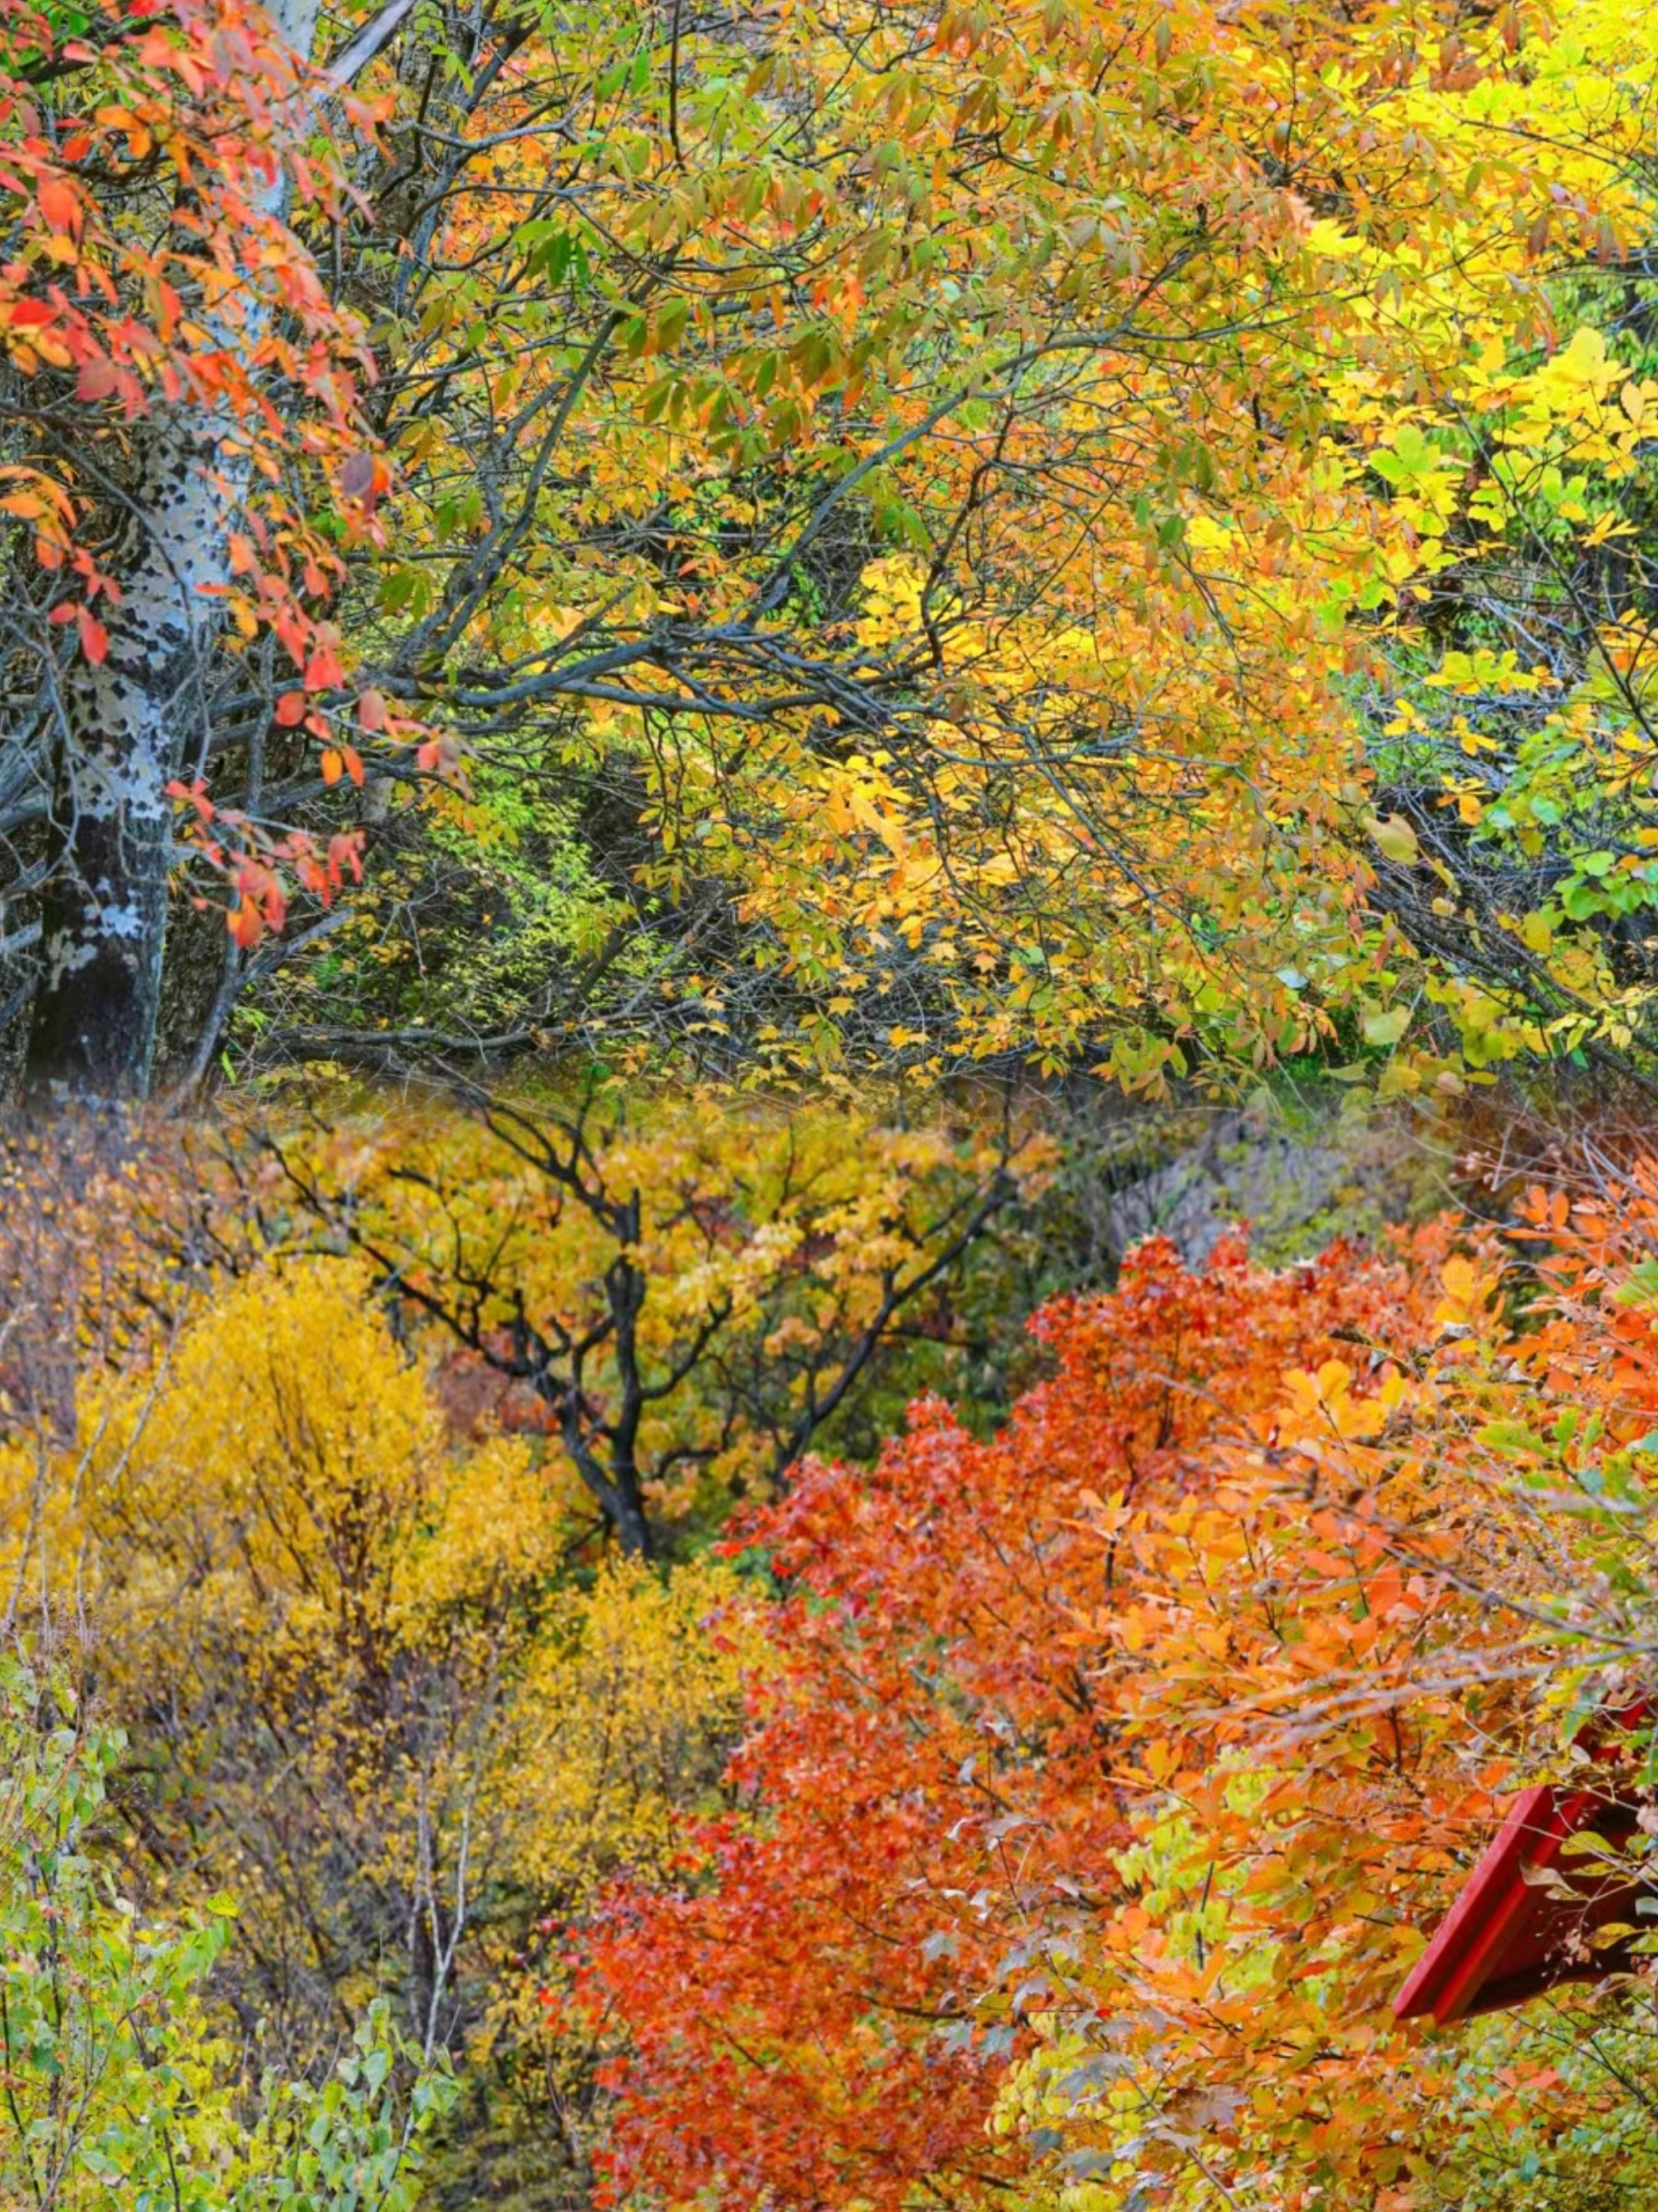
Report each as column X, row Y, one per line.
column 124, row 730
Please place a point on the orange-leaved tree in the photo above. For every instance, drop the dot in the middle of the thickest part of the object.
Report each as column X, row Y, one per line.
column 1118, row 1768
column 1396, row 1604
column 937, row 1763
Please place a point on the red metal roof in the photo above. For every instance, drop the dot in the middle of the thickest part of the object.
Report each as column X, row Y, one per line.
column 1507, row 1938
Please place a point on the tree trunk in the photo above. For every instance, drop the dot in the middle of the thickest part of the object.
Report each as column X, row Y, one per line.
column 126, row 728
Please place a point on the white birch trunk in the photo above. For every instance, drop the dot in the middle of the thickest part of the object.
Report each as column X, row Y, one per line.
column 127, row 728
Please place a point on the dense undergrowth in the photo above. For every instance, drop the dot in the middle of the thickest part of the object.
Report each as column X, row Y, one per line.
column 1047, row 1800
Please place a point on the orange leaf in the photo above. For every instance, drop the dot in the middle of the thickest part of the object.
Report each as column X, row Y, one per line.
column 61, row 204
column 245, row 922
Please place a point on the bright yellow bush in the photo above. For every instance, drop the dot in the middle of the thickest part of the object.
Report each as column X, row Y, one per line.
column 620, row 1718
column 371, row 1686
column 263, row 1484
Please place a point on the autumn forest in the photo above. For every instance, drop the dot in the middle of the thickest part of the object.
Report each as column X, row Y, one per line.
column 828, row 1062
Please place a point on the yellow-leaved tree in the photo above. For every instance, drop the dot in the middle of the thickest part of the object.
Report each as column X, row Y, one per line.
column 683, row 1293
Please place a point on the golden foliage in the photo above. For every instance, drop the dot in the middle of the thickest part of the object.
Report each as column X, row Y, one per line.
column 369, row 1693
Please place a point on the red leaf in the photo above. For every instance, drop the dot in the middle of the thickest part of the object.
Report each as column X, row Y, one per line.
column 94, row 637
column 195, row 794
column 371, row 710
column 290, row 709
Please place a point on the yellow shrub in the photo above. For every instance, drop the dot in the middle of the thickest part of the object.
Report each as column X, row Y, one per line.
column 619, row 1718
column 370, row 1691
column 263, row 1484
